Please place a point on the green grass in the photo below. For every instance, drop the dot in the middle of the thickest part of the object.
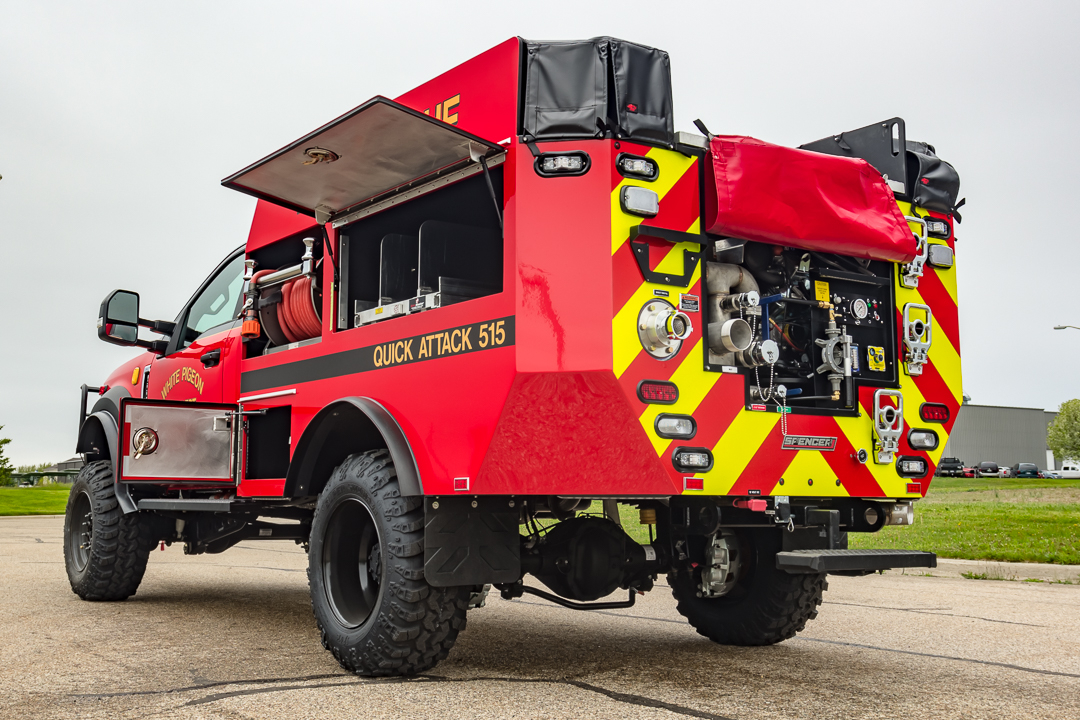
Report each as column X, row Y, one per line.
column 41, row 500
column 953, row 485
column 988, row 529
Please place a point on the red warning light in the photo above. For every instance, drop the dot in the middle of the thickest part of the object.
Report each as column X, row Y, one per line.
column 934, row 412
column 658, row 392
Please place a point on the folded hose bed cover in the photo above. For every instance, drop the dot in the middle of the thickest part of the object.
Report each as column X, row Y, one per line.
column 803, row 199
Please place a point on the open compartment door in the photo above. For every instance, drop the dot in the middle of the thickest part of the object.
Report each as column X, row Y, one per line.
column 177, row 442
column 365, row 155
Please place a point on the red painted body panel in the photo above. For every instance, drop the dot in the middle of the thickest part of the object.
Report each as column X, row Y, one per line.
column 479, row 95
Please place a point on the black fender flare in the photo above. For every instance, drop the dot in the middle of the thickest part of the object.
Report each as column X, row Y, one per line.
column 99, row 439
column 346, row 426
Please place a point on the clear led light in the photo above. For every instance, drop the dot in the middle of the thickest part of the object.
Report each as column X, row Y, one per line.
column 693, row 459
column 675, row 426
column 639, row 166
column 913, row 467
column 562, row 163
column 937, row 227
column 923, row 439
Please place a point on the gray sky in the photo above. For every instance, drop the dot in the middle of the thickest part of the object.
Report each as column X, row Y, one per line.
column 119, row 119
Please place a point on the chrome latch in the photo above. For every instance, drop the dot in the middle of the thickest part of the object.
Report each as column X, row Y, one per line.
column 912, row 271
column 888, row 426
column 918, row 334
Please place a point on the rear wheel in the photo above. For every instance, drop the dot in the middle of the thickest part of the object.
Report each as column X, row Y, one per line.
column 375, row 611
column 105, row 551
column 765, row 606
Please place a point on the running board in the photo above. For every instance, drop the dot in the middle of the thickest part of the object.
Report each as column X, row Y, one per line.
column 852, row 562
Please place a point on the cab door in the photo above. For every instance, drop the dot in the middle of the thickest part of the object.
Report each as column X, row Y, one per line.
column 203, row 360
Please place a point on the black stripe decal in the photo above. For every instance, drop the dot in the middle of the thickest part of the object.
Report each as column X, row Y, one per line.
column 458, row 340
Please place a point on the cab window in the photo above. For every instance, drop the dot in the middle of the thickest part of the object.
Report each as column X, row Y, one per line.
column 218, row 303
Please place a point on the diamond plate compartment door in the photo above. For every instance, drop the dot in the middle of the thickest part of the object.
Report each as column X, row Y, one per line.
column 178, row 442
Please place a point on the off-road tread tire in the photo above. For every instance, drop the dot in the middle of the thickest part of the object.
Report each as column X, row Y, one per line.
column 775, row 607
column 414, row 625
column 121, row 543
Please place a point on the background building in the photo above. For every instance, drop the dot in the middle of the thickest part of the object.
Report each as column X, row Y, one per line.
column 1005, row 435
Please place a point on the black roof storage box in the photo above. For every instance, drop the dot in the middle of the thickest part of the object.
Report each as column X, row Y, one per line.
column 577, row 89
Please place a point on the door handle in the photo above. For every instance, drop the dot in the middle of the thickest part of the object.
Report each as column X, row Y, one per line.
column 211, row 359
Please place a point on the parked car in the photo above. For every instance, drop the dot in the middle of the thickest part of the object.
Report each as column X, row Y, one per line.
column 988, row 469
column 1051, row 474
column 1004, row 472
column 1069, row 470
column 969, row 472
column 950, row 467
column 1025, row 470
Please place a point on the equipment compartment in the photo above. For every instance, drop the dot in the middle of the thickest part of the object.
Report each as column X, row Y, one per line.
column 438, row 249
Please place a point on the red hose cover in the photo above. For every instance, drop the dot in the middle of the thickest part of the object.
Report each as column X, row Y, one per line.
column 803, row 199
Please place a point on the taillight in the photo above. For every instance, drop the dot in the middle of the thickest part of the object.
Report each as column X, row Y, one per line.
column 657, row 392
column 934, row 412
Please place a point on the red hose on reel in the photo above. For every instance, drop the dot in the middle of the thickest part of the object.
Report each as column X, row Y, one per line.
column 295, row 313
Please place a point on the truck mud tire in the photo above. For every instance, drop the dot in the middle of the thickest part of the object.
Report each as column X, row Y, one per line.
column 766, row 606
column 105, row 551
column 375, row 611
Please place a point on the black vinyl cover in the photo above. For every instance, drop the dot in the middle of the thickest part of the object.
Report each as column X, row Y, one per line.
column 880, row 144
column 573, row 89
column 934, row 183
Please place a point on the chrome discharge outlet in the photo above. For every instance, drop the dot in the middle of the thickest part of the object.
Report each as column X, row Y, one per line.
column 662, row 328
column 888, row 426
column 732, row 335
column 918, row 333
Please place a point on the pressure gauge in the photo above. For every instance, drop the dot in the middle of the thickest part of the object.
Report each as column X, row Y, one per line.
column 859, row 309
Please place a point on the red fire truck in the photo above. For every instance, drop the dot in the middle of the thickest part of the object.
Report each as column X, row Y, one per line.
column 470, row 324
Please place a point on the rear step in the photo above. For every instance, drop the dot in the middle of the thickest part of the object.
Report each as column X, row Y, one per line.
column 852, row 562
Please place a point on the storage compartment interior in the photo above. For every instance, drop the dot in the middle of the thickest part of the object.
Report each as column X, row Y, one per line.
column 438, row 249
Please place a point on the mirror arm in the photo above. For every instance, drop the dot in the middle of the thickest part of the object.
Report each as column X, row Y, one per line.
column 158, row 347
column 161, row 326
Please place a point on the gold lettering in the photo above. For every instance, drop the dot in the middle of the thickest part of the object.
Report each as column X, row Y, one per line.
column 455, row 341
column 408, row 349
column 465, row 344
column 378, row 356
column 423, row 347
column 452, row 103
column 399, row 351
column 444, row 343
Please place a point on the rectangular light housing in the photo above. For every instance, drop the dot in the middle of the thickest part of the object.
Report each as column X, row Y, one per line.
column 692, row 459
column 940, row 256
column 640, row 201
column 634, row 166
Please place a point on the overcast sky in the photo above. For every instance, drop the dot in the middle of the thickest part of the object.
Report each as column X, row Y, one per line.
column 119, row 119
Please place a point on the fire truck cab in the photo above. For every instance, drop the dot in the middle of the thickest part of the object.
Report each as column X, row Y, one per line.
column 471, row 323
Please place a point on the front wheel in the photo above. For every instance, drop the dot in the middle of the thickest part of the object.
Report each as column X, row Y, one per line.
column 765, row 606
column 375, row 611
column 105, row 550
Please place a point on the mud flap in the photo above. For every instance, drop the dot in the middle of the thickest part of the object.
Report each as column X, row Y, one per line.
column 471, row 541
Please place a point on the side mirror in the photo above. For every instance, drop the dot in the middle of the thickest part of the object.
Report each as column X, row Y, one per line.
column 118, row 323
column 118, row 319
